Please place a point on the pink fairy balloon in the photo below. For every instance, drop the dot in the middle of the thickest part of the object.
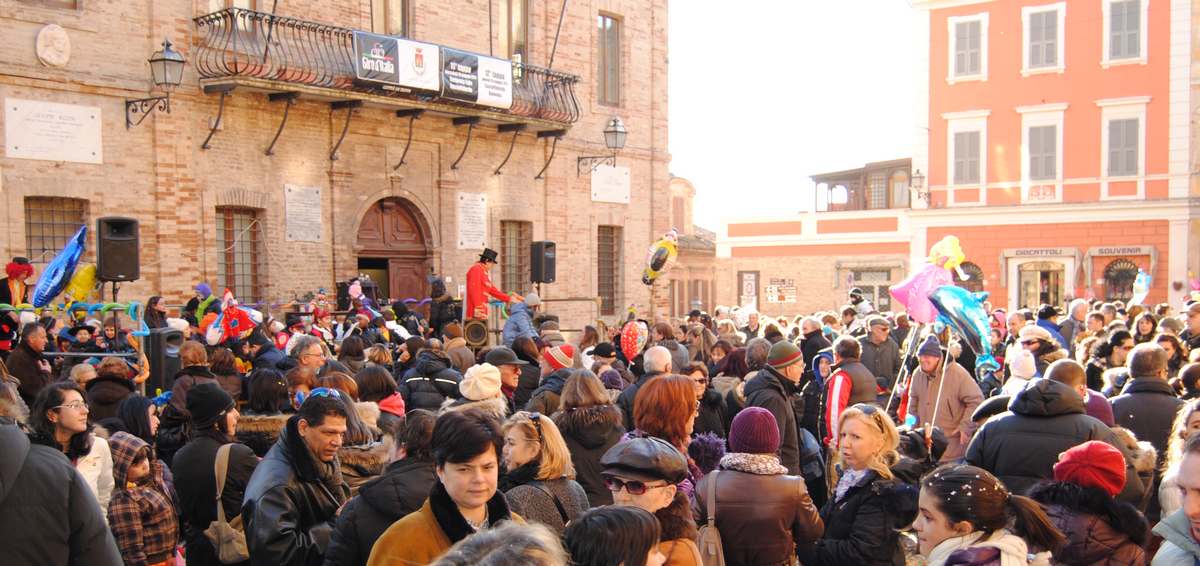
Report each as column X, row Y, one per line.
column 914, row 292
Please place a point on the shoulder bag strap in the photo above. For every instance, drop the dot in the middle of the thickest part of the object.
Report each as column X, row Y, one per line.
column 562, row 512
column 220, row 467
column 710, row 503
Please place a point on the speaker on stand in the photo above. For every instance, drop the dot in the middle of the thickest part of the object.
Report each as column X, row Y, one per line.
column 162, row 350
column 117, row 258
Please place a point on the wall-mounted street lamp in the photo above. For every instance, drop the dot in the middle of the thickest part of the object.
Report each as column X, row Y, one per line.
column 166, row 70
column 614, row 139
column 918, row 185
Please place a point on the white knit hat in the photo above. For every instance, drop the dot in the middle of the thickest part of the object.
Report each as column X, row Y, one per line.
column 1022, row 364
column 481, row 382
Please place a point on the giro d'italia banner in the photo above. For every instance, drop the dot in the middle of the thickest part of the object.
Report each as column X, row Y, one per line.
column 477, row 79
column 397, row 64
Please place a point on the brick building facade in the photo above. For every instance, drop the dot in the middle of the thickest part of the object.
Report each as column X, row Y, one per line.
column 1056, row 143
column 220, row 213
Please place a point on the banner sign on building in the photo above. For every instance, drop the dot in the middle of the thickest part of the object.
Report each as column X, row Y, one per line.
column 397, row 63
column 477, row 79
column 781, row 290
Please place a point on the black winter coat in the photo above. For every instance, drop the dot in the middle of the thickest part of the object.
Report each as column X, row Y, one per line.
column 862, row 528
column 48, row 514
column 810, row 346
column 1021, row 446
column 401, row 490
column 430, row 382
column 196, row 487
column 527, row 383
column 104, row 394
column 711, row 417
column 269, row 357
column 288, row 511
column 1147, row 406
column 773, row 392
column 22, row 364
column 589, row 433
column 443, row 311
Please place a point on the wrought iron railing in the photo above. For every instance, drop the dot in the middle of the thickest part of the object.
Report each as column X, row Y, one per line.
column 244, row 43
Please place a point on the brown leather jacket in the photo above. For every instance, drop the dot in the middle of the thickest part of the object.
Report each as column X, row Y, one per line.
column 762, row 518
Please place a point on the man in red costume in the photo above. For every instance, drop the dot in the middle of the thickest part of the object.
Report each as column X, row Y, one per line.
column 13, row 291
column 479, row 286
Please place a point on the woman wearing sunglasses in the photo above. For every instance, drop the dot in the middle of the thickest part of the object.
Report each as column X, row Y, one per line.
column 59, row 419
column 540, row 485
column 643, row 472
column 867, row 506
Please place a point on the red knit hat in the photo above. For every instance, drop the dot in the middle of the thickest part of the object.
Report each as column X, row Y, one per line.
column 560, row 357
column 1092, row 464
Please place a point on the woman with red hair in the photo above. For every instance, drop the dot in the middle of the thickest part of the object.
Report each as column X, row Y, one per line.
column 666, row 408
column 13, row 289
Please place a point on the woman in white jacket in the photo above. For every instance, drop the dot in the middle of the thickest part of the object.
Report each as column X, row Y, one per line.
column 59, row 419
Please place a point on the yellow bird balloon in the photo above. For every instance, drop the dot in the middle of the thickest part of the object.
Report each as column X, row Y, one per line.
column 82, row 284
column 661, row 257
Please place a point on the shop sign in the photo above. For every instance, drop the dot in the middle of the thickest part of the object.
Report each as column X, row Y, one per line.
column 397, row 63
column 476, row 78
column 781, row 290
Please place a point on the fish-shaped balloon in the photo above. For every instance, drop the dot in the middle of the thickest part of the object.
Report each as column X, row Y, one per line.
column 58, row 273
column 963, row 312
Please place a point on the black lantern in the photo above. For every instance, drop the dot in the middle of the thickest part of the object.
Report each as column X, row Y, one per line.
column 614, row 139
column 166, row 70
column 918, row 185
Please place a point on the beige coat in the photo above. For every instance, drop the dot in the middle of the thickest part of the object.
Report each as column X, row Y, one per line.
column 960, row 396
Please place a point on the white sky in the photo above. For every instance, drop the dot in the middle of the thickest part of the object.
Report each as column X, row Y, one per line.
column 765, row 93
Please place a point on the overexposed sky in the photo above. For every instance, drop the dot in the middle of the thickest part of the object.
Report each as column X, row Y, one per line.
column 765, row 93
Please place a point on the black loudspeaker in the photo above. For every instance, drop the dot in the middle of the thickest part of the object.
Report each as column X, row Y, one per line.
column 541, row 262
column 117, row 249
column 475, row 332
column 162, row 350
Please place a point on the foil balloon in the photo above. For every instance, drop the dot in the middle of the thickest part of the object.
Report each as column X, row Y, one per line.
column 58, row 273
column 948, row 254
column 1141, row 288
column 963, row 312
column 661, row 257
column 633, row 338
column 914, row 292
column 82, row 284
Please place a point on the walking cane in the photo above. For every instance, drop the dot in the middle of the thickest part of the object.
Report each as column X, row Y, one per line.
column 905, row 375
column 937, row 405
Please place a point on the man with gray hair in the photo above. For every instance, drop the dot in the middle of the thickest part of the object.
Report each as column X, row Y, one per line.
column 656, row 361
column 813, row 340
column 1148, row 404
column 1075, row 324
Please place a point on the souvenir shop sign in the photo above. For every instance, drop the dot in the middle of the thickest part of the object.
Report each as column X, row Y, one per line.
column 476, row 78
column 397, row 64
column 781, row 290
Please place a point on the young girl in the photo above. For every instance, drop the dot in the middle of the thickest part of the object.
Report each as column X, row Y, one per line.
column 141, row 515
column 964, row 516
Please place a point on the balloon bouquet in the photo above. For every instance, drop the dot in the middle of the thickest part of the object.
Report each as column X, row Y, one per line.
column 931, row 297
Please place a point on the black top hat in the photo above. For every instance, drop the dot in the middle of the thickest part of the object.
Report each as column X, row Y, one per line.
column 488, row 255
column 75, row 330
column 20, row 260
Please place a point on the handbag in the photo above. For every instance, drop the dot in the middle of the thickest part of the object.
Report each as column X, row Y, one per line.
column 227, row 537
column 709, row 540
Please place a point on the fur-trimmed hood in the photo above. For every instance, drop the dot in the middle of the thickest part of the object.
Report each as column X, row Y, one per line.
column 1144, row 455
column 676, row 519
column 497, row 406
column 259, row 432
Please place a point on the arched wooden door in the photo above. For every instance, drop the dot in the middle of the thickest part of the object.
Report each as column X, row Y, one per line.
column 393, row 242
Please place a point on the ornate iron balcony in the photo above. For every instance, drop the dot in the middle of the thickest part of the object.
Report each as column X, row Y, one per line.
column 244, row 43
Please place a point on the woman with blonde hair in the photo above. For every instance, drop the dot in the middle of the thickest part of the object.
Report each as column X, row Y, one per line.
column 1187, row 423
column 590, row 424
column 868, row 505
column 540, row 485
column 379, row 355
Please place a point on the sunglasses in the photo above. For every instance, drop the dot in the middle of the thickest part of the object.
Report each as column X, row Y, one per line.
column 318, row 392
column 536, row 417
column 866, row 408
column 633, row 487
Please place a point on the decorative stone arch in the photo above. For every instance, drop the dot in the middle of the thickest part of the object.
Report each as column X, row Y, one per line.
column 975, row 277
column 347, row 226
column 1119, row 276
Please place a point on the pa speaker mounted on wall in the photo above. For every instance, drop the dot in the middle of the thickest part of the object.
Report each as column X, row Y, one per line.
column 541, row 262
column 475, row 332
column 117, row 256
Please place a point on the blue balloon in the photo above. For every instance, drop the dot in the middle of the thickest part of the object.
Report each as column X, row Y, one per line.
column 963, row 312
column 58, row 273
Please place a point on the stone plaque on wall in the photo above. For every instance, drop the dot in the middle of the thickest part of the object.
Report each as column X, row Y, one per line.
column 302, row 209
column 52, row 132
column 472, row 221
column 610, row 184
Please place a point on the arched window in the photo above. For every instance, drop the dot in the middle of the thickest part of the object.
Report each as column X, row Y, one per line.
column 974, row 282
column 1118, row 279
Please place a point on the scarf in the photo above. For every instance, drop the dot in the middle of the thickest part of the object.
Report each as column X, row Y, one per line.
column 849, row 479
column 524, row 474
column 450, row 519
column 757, row 464
column 1013, row 550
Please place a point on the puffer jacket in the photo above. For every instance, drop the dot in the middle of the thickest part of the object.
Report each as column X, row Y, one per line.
column 141, row 514
column 773, row 392
column 1179, row 547
column 104, row 394
column 401, row 490
column 289, row 509
column 589, row 432
column 260, row 432
column 762, row 517
column 48, row 514
column 1100, row 531
column 1021, row 446
column 545, row 399
column 429, row 382
column 1147, row 406
column 519, row 323
column 862, row 528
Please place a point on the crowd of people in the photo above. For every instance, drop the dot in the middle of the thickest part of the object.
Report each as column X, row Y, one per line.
column 377, row 436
